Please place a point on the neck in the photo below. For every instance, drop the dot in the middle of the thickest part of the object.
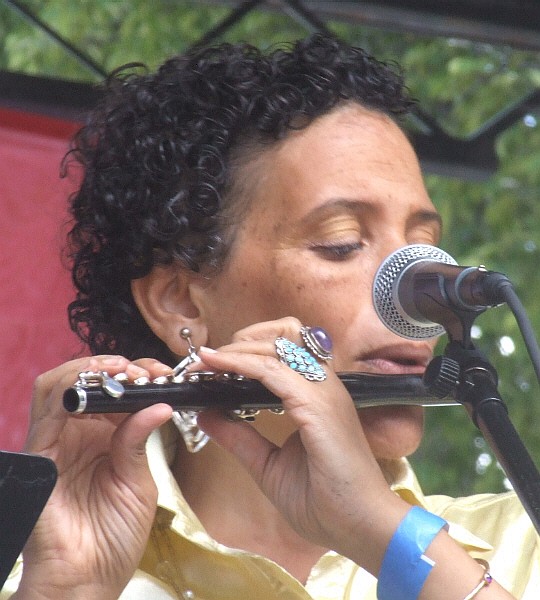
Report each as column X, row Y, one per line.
column 236, row 513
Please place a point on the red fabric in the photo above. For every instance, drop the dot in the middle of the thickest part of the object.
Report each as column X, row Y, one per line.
column 34, row 286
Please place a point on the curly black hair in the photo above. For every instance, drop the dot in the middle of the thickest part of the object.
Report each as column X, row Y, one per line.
column 158, row 157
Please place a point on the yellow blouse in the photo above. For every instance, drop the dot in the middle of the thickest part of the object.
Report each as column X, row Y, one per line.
column 182, row 562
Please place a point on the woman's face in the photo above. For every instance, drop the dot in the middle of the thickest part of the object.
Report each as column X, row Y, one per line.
column 329, row 204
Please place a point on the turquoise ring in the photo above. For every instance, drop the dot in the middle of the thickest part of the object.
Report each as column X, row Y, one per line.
column 299, row 360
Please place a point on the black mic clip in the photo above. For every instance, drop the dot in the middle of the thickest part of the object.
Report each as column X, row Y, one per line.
column 455, row 296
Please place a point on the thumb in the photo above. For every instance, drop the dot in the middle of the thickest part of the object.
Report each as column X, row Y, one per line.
column 129, row 441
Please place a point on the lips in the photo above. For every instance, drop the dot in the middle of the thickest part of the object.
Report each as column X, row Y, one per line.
column 397, row 360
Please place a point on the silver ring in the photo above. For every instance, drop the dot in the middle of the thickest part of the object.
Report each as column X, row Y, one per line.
column 299, row 360
column 318, row 341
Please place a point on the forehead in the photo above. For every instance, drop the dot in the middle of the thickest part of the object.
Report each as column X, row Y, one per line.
column 349, row 142
column 351, row 154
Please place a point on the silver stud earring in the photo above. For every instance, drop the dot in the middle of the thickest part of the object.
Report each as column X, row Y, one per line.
column 186, row 420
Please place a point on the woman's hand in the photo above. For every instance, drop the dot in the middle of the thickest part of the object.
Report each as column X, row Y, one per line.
column 324, row 479
column 93, row 531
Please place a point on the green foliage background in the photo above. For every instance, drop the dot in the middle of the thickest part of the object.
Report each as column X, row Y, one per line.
column 461, row 83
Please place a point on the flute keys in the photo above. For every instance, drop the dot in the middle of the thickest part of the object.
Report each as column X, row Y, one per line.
column 90, row 379
column 110, row 385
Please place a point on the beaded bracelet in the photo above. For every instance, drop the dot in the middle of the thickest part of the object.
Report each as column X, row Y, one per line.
column 484, row 582
column 405, row 568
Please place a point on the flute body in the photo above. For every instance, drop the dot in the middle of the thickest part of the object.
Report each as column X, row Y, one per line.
column 366, row 390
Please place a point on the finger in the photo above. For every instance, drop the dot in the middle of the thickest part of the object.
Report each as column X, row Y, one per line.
column 289, row 328
column 280, row 379
column 262, row 347
column 45, row 383
column 309, row 404
column 286, row 327
column 48, row 416
column 154, row 367
column 239, row 438
column 66, row 375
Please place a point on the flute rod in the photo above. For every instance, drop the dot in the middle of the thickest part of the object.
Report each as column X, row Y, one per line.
column 366, row 390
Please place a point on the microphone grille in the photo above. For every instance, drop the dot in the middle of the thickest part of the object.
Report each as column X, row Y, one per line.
column 384, row 284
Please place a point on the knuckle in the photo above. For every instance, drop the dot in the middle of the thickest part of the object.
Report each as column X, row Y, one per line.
column 292, row 323
column 286, row 326
column 272, row 364
column 146, row 362
column 39, row 383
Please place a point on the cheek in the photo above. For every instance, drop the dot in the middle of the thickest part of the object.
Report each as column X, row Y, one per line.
column 393, row 432
column 312, row 293
column 246, row 295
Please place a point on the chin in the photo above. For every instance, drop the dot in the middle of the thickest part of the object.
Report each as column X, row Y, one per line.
column 393, row 431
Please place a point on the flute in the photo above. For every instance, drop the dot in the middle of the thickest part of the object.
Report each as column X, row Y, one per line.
column 102, row 394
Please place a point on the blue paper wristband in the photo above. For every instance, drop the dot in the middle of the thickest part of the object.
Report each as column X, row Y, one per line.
column 404, row 567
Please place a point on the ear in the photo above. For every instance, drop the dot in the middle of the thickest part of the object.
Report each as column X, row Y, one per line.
column 164, row 299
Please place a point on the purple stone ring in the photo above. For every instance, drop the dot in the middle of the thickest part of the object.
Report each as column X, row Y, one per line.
column 318, row 341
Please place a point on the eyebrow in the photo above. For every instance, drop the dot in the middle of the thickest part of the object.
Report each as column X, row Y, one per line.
column 359, row 205
column 334, row 205
column 428, row 217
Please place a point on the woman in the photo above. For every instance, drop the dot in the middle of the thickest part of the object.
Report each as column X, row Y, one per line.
column 229, row 200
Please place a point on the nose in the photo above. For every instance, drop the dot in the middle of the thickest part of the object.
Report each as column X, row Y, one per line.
column 385, row 246
column 392, row 241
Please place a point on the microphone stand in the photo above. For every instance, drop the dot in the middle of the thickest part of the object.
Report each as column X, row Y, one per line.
column 476, row 389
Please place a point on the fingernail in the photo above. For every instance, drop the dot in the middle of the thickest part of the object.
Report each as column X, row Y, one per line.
column 206, row 349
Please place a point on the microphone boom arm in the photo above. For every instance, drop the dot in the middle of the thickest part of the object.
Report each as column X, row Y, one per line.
column 477, row 391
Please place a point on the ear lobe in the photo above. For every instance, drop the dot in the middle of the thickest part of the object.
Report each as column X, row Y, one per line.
column 163, row 298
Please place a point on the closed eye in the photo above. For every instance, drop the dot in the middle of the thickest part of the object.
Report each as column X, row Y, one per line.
column 337, row 251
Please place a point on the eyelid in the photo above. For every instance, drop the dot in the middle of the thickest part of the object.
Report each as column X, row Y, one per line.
column 424, row 238
column 337, row 249
column 429, row 228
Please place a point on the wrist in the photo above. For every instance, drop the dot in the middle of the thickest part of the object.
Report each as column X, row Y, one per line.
column 405, row 567
column 45, row 592
column 40, row 586
column 374, row 530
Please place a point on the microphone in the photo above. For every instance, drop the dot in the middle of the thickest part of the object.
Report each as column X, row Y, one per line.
column 419, row 291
